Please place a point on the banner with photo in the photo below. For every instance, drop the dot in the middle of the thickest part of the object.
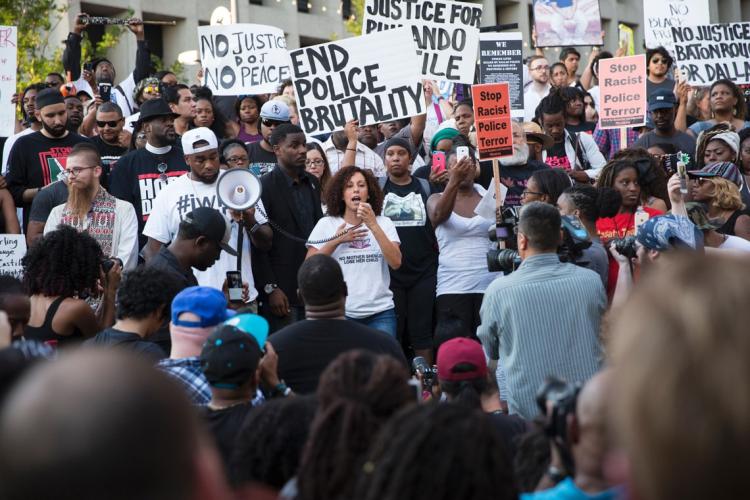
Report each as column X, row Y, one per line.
column 562, row 23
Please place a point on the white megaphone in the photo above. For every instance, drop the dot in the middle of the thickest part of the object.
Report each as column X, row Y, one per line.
column 238, row 189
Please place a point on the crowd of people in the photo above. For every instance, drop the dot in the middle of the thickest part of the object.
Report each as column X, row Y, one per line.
column 369, row 329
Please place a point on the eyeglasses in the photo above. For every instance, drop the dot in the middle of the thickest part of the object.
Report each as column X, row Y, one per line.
column 539, row 67
column 271, row 123
column 111, row 124
column 238, row 159
column 526, row 192
column 317, row 162
column 75, row 171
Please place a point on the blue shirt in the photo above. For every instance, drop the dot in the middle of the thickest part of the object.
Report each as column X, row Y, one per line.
column 543, row 319
column 567, row 490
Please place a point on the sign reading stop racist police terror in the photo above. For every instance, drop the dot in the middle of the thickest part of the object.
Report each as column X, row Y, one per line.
column 447, row 33
column 370, row 78
column 622, row 83
column 710, row 52
column 243, row 59
column 492, row 120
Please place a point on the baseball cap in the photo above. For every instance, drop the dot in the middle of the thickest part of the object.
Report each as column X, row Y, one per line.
column 725, row 169
column 212, row 225
column 229, row 357
column 699, row 216
column 667, row 232
column 253, row 325
column 275, row 110
column 458, row 351
column 199, row 134
column 209, row 304
column 661, row 99
column 535, row 133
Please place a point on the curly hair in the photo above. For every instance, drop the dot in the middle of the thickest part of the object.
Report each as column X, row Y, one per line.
column 269, row 443
column 357, row 394
column 143, row 291
column 63, row 263
column 437, row 452
column 334, row 193
column 651, row 175
column 739, row 108
column 552, row 104
column 552, row 182
column 726, row 194
column 611, row 170
column 255, row 98
column 220, row 123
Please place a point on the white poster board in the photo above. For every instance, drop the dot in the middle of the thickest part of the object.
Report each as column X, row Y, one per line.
column 370, row 78
column 241, row 59
column 447, row 33
column 8, row 67
column 12, row 250
column 660, row 16
column 709, row 52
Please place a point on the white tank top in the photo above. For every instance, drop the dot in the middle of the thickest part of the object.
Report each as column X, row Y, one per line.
column 463, row 245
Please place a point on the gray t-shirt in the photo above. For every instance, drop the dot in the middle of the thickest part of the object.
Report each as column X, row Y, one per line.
column 680, row 140
column 48, row 198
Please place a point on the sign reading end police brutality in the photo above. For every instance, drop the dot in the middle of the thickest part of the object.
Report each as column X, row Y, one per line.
column 447, row 33
column 370, row 78
column 492, row 114
column 242, row 59
column 710, row 52
column 622, row 84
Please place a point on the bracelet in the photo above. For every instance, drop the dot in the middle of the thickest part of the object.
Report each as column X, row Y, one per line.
column 281, row 390
column 352, row 149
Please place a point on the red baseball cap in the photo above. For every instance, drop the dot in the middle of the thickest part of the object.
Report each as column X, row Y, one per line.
column 458, row 351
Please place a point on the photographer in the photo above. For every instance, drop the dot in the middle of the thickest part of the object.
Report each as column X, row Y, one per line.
column 544, row 317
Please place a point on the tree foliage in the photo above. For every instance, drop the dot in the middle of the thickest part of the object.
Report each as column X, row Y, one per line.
column 354, row 23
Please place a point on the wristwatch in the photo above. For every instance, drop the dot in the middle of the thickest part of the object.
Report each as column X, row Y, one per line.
column 270, row 287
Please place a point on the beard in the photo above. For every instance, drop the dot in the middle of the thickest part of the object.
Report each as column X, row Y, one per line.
column 80, row 198
column 57, row 131
column 520, row 156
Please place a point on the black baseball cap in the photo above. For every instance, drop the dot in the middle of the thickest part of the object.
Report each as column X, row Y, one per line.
column 661, row 99
column 153, row 108
column 229, row 357
column 211, row 224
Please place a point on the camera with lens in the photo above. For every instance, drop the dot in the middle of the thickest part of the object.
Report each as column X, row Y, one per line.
column 557, row 400
column 428, row 373
column 625, row 246
column 108, row 263
column 504, row 258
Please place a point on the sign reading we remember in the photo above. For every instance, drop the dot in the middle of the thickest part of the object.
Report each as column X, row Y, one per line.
column 12, row 250
column 709, row 52
column 492, row 120
column 8, row 67
column 447, row 33
column 370, row 78
column 501, row 60
column 662, row 15
column 622, row 84
column 243, row 59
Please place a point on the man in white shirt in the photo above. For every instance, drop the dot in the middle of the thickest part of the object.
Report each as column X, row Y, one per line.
column 335, row 148
column 197, row 188
column 539, row 86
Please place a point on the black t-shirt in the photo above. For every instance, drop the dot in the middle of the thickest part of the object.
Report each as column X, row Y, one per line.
column 34, row 162
column 48, row 198
column 110, row 154
column 136, row 179
column 224, row 425
column 587, row 127
column 515, row 178
column 307, row 347
column 127, row 340
column 166, row 261
column 557, row 157
column 406, row 206
column 509, row 427
column 261, row 161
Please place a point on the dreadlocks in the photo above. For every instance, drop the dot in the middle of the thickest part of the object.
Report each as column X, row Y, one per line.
column 552, row 104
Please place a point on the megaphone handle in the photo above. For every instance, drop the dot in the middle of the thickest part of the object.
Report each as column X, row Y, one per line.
column 240, row 238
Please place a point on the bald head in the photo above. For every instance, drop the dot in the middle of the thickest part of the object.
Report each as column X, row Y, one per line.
column 591, row 409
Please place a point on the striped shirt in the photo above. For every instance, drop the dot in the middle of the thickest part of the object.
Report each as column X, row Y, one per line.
column 542, row 320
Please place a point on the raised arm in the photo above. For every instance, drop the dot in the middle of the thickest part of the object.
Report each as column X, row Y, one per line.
column 440, row 206
column 71, row 57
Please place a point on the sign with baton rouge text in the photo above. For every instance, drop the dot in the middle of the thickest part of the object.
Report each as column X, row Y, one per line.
column 447, row 33
column 370, row 78
column 492, row 120
column 662, row 15
column 622, row 83
column 242, row 59
column 501, row 60
column 8, row 68
column 709, row 52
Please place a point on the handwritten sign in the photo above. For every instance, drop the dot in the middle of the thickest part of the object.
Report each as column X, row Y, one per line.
column 370, row 78
column 662, row 15
column 622, row 83
column 492, row 115
column 12, row 250
column 243, row 59
column 447, row 33
column 8, row 66
column 709, row 52
column 501, row 60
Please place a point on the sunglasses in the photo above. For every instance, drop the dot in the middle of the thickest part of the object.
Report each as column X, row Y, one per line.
column 271, row 123
column 111, row 124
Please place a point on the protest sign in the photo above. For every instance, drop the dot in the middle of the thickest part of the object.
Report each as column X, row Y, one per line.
column 240, row 59
column 709, row 52
column 622, row 84
column 661, row 16
column 370, row 78
column 12, row 250
column 501, row 60
column 447, row 33
column 571, row 22
column 492, row 120
column 8, row 66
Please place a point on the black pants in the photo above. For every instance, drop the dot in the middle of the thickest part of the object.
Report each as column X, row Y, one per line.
column 414, row 311
column 276, row 323
column 461, row 305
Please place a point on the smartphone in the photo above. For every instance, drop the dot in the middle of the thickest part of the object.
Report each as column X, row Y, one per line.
column 105, row 91
column 682, row 172
column 416, row 386
column 462, row 152
column 234, row 283
column 438, row 162
column 88, row 66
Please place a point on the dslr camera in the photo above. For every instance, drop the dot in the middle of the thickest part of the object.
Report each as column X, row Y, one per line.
column 557, row 400
column 625, row 246
column 108, row 263
column 428, row 373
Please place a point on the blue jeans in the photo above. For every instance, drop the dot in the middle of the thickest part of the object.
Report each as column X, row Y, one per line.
column 384, row 321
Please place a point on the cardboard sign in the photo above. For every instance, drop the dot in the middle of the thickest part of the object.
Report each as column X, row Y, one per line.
column 8, row 66
column 492, row 120
column 710, row 52
column 241, row 59
column 662, row 15
column 447, row 33
column 622, row 83
column 561, row 23
column 371, row 78
column 501, row 60
column 12, row 250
